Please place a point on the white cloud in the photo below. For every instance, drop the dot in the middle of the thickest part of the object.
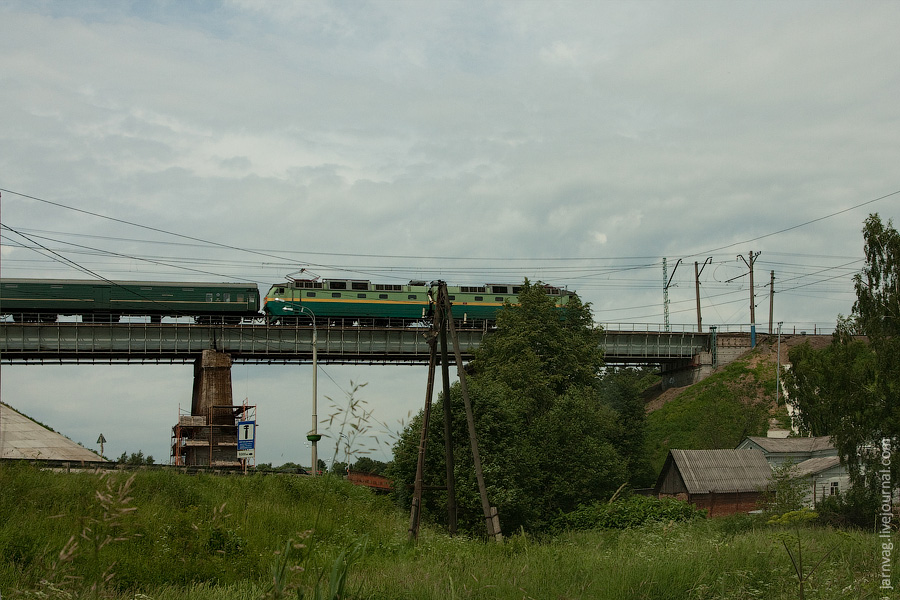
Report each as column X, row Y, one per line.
column 345, row 136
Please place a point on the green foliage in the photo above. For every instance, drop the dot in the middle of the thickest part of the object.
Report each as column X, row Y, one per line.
column 176, row 516
column 622, row 389
column 787, row 493
column 167, row 528
column 717, row 412
column 365, row 464
column 795, row 520
column 547, row 435
column 854, row 508
column 849, row 390
column 632, row 511
column 136, row 459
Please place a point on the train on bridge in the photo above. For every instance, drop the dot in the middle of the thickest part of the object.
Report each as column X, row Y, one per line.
column 291, row 302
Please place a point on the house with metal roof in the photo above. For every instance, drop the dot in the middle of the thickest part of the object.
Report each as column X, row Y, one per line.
column 722, row 481
column 814, row 459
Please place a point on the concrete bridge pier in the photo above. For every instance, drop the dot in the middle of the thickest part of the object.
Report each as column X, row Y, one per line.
column 728, row 347
column 212, row 383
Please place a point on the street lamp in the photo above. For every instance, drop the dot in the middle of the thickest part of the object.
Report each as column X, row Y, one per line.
column 313, row 435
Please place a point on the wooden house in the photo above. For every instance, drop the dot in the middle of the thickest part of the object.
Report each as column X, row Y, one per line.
column 722, row 481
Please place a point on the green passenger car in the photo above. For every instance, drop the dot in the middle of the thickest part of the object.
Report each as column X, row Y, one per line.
column 44, row 299
column 362, row 299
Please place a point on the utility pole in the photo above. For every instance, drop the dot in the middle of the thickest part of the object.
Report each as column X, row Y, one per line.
column 442, row 321
column 666, row 282
column 771, row 300
column 665, row 295
column 697, row 285
column 750, row 264
column 752, row 297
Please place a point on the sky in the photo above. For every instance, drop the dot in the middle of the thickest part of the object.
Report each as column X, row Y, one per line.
column 575, row 143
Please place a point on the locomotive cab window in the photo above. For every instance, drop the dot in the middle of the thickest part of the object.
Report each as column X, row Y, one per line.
column 279, row 290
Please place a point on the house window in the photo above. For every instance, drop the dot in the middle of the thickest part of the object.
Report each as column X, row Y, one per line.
column 835, row 488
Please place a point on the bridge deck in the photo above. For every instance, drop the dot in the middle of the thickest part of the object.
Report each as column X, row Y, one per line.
column 69, row 342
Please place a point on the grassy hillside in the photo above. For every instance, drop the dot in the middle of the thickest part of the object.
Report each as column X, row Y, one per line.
column 721, row 410
column 166, row 535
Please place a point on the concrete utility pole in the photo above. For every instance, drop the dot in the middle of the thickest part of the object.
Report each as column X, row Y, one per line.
column 771, row 300
column 697, row 285
column 749, row 264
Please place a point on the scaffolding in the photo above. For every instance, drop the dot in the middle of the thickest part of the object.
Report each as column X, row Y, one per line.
column 210, row 440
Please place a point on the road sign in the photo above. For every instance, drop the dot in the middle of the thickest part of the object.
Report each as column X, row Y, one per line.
column 246, row 443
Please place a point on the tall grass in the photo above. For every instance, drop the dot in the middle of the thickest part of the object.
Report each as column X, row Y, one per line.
column 202, row 536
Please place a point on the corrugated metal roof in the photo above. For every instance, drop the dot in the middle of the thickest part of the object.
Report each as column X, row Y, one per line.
column 796, row 444
column 814, row 465
column 20, row 437
column 722, row 470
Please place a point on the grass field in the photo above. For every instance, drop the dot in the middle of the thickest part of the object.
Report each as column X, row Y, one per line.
column 167, row 535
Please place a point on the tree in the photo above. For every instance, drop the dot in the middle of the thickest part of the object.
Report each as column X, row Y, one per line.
column 365, row 464
column 851, row 389
column 547, row 439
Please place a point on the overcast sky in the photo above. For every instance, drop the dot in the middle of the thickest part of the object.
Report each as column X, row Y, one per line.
column 578, row 143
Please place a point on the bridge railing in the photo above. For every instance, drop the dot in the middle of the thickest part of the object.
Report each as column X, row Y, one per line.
column 798, row 328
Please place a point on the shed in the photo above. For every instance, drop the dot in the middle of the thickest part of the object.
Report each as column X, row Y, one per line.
column 722, row 481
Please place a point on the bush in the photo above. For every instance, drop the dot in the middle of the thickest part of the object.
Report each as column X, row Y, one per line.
column 857, row 507
column 628, row 512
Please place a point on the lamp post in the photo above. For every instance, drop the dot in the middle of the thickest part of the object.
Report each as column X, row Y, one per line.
column 313, row 436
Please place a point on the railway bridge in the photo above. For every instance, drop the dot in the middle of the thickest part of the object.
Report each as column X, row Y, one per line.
column 681, row 355
column 209, row 434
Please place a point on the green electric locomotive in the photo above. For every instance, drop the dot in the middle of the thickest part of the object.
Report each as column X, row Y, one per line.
column 384, row 303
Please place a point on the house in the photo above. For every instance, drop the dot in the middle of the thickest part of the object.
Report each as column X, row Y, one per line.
column 721, row 481
column 814, row 459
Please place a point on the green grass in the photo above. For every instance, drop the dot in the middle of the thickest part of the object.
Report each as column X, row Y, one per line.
column 220, row 537
column 717, row 412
